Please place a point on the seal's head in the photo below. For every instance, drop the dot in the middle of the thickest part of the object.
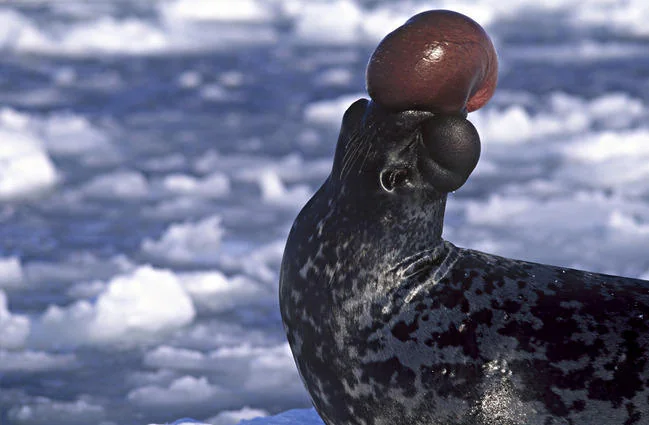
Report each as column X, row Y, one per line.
column 399, row 154
column 412, row 144
column 402, row 163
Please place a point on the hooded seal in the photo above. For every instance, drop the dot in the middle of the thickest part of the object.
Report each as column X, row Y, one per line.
column 390, row 324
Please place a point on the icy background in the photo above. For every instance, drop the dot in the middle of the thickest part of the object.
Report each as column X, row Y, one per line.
column 154, row 154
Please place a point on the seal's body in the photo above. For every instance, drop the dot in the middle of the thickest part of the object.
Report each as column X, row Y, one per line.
column 455, row 336
column 389, row 324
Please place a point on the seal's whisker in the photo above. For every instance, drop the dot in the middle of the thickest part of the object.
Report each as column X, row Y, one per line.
column 353, row 136
column 367, row 153
column 359, row 144
column 348, row 159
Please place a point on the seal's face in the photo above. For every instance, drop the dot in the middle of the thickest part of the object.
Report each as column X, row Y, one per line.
column 400, row 152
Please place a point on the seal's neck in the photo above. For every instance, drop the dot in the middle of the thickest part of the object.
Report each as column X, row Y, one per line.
column 387, row 230
column 415, row 228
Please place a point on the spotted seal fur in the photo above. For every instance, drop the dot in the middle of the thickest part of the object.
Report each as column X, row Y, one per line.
column 390, row 324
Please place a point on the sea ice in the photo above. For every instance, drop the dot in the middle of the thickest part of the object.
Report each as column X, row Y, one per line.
column 11, row 272
column 34, row 361
column 215, row 185
column 330, row 111
column 231, row 417
column 218, row 10
column 274, row 192
column 25, row 167
column 188, row 242
column 133, row 307
column 14, row 328
column 291, row 417
column 44, row 410
column 184, row 391
column 121, row 184
column 215, row 292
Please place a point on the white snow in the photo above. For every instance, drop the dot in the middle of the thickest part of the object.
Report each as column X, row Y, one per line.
column 184, row 391
column 47, row 411
column 25, row 167
column 261, row 263
column 606, row 227
column 69, row 134
column 11, row 272
column 600, row 147
column 221, row 24
column 34, row 361
column 259, row 371
column 188, row 242
column 135, row 36
column 207, row 336
column 234, row 360
column 330, row 111
column 335, row 77
column 77, row 268
column 171, row 162
column 233, row 417
column 609, row 159
column 216, row 292
column 133, row 307
column 218, row 10
column 215, row 185
column 215, row 92
column 14, row 328
column 274, row 192
column 626, row 17
column 58, row 134
column 232, row 79
column 278, row 370
column 337, row 21
column 190, row 79
column 560, row 114
column 104, row 34
column 181, row 26
column 176, row 358
column 18, row 32
column 627, row 223
column 249, row 416
column 296, row 417
column 175, row 209
column 120, row 184
column 589, row 51
column 289, row 169
column 86, row 289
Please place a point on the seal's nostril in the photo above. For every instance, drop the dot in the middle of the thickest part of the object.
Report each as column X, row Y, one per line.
column 392, row 178
column 452, row 150
column 452, row 142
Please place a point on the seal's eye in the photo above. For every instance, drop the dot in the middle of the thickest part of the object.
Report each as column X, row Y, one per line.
column 393, row 178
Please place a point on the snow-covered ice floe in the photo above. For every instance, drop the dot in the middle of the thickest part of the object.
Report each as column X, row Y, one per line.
column 153, row 156
column 296, row 416
column 256, row 417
